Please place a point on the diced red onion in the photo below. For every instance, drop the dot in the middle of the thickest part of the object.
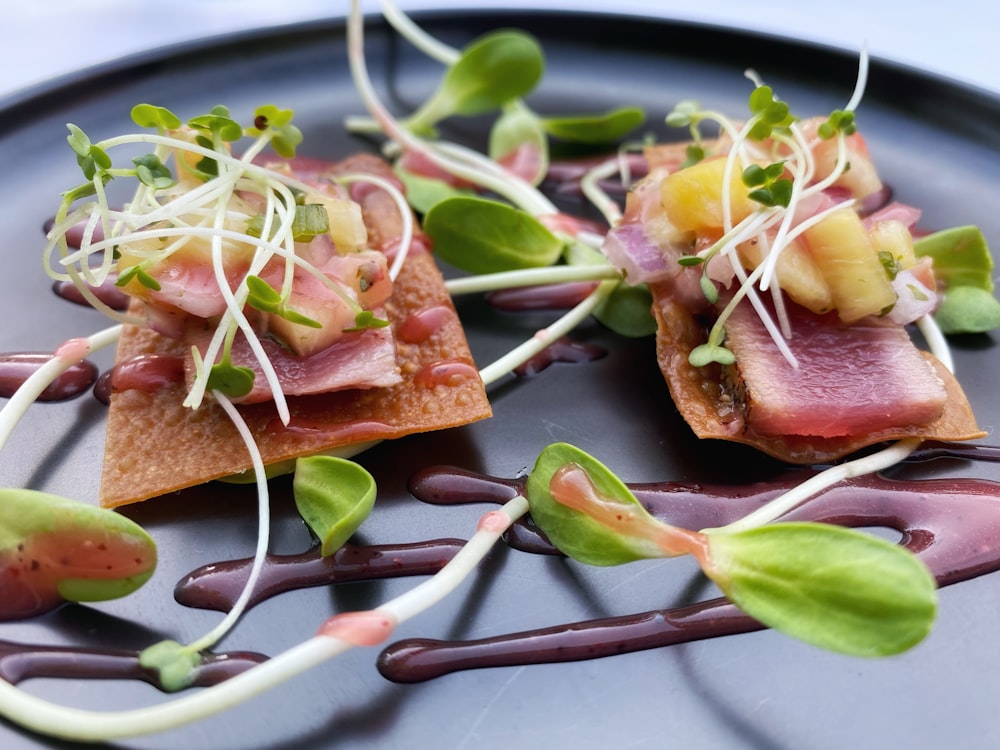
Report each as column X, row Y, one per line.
column 629, row 248
column 914, row 299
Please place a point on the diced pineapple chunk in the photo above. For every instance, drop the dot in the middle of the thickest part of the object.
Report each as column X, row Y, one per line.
column 894, row 238
column 692, row 197
column 845, row 255
column 796, row 272
column 347, row 227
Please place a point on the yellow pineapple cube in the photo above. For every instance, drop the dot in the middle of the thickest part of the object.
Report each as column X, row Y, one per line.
column 894, row 238
column 796, row 273
column 844, row 252
column 692, row 197
column 347, row 227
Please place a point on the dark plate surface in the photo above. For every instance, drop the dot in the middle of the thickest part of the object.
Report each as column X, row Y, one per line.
column 937, row 144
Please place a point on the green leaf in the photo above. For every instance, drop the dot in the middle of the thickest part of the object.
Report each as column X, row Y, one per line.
column 138, row 273
column 233, row 381
column 78, row 140
column 150, row 116
column 836, row 588
column 626, row 311
column 495, row 69
column 607, row 127
column 366, row 319
column 262, row 296
column 153, row 172
column 518, row 127
column 423, row 193
column 175, row 664
column 706, row 354
column 968, row 309
column 961, row 256
column 575, row 533
column 285, row 137
column 333, row 496
column 219, row 124
column 709, row 289
column 485, row 236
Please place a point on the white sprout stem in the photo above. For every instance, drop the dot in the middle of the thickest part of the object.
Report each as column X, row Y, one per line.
column 936, row 341
column 543, row 338
column 67, row 355
column 862, row 81
column 469, row 164
column 788, row 501
column 406, row 238
column 51, row 719
column 419, row 38
column 591, row 188
column 263, row 529
column 529, row 277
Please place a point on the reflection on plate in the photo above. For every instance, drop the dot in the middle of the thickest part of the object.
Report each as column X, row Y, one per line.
column 931, row 142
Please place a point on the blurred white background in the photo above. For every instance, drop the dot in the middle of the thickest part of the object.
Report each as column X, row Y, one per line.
column 47, row 38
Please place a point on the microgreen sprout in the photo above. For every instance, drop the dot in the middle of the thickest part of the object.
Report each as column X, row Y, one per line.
column 836, row 588
column 770, row 187
column 839, row 121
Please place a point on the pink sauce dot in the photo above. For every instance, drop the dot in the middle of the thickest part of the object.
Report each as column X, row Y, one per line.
column 73, row 351
column 494, row 521
column 448, row 372
column 368, row 628
column 420, row 326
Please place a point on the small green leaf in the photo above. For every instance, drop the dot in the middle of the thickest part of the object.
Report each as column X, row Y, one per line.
column 366, row 319
column 709, row 289
column 219, row 124
column 423, row 193
column 607, row 127
column 333, row 496
column 137, row 273
column 151, row 116
column 285, row 137
column 78, row 140
column 690, row 260
column 575, row 533
column 233, row 381
column 961, row 256
column 519, row 128
column 833, row 587
column 968, row 309
column 495, row 69
column 684, row 114
column 153, row 172
column 626, row 311
column 706, row 354
column 485, row 236
column 174, row 664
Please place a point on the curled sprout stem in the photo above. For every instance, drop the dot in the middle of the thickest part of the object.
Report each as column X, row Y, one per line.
column 51, row 719
column 263, row 529
column 430, row 46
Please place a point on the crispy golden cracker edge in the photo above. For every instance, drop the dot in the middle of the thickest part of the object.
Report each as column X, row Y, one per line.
column 696, row 394
column 155, row 446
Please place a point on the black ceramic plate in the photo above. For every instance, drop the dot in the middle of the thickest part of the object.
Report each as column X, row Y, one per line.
column 936, row 143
